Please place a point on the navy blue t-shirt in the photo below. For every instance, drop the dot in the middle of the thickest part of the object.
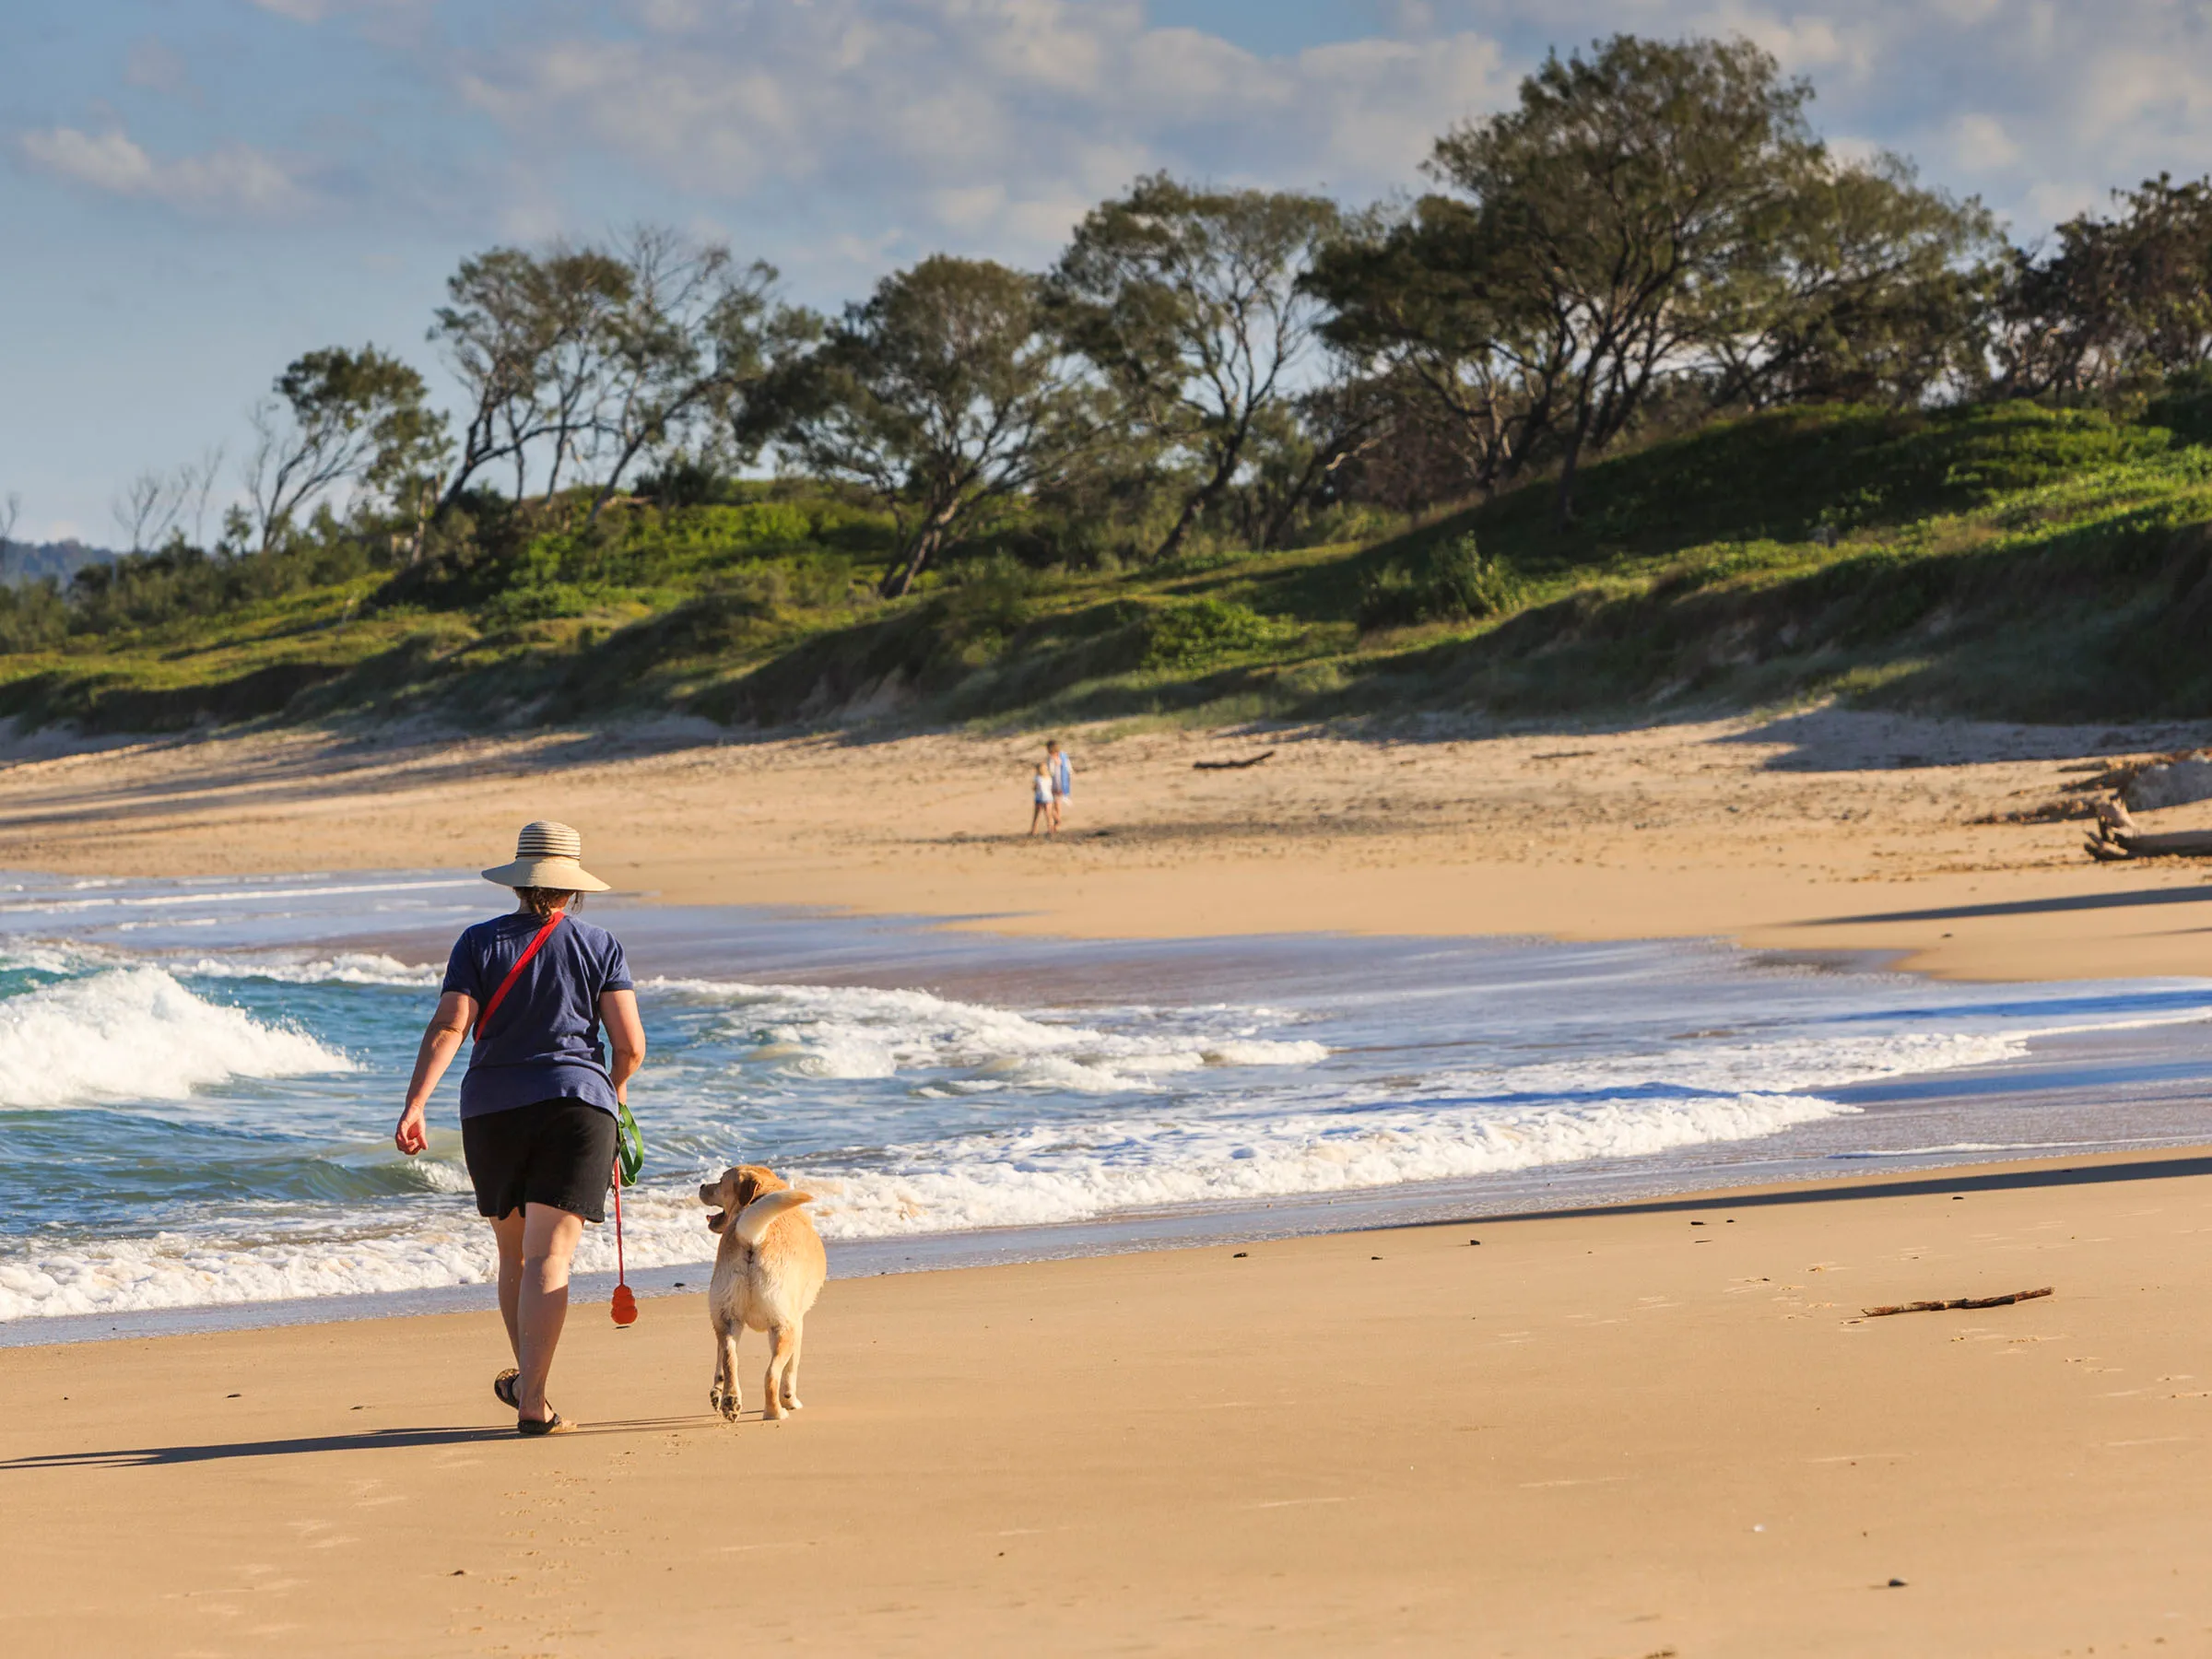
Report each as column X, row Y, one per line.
column 543, row 1042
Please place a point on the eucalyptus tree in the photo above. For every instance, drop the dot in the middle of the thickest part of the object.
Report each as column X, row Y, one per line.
column 1582, row 243
column 338, row 417
column 948, row 395
column 2116, row 301
column 1191, row 304
column 154, row 506
column 1871, row 290
column 694, row 334
column 145, row 508
column 491, row 335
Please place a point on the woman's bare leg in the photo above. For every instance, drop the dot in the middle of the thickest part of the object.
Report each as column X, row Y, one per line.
column 549, row 1237
column 507, row 1230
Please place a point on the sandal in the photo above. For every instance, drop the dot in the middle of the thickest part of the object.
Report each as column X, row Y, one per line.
column 504, row 1387
column 531, row 1427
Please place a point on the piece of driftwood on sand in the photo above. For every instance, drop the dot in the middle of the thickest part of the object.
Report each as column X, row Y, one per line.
column 2178, row 843
column 1959, row 1301
column 2118, row 838
column 1229, row 765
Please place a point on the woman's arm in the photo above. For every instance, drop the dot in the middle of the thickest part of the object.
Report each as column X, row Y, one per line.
column 625, row 1036
column 456, row 1012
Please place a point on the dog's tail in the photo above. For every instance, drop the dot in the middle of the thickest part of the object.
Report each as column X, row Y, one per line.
column 754, row 1218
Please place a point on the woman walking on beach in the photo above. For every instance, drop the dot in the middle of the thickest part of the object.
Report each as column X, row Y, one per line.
column 534, row 989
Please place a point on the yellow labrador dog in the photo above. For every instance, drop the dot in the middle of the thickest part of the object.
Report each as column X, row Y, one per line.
column 767, row 1274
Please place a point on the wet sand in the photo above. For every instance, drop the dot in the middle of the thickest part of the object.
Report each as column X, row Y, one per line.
column 1659, row 1430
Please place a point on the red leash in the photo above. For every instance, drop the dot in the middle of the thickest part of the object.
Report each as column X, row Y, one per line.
column 624, row 1305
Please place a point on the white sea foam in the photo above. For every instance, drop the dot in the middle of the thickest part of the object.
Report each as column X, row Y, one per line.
column 1063, row 1175
column 846, row 1032
column 350, row 968
column 1053, row 1118
column 137, row 1034
column 450, row 1247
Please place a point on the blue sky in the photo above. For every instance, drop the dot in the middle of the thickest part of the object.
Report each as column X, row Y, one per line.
column 194, row 191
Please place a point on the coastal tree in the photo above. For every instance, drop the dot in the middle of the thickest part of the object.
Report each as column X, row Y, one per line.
column 1414, row 297
column 1871, row 290
column 574, row 298
column 946, row 395
column 155, row 506
column 2116, row 301
column 694, row 332
column 1582, row 243
column 195, row 482
column 490, row 337
column 1190, row 305
column 527, row 336
column 145, row 509
column 337, row 417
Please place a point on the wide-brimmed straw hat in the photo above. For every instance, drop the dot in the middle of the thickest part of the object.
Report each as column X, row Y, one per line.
column 546, row 855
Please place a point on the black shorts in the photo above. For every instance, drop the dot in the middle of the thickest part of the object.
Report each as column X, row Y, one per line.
column 558, row 1152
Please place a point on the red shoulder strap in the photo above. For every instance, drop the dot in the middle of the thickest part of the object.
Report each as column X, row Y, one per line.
column 515, row 973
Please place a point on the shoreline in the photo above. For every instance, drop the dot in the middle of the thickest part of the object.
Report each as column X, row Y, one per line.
column 1563, row 1439
column 1818, row 830
column 1353, row 1213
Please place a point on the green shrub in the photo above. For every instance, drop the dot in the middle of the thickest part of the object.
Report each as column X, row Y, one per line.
column 1447, row 582
column 1188, row 634
column 535, row 605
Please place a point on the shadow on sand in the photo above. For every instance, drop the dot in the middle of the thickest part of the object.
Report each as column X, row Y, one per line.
column 374, row 1440
column 2029, row 907
column 1844, row 1191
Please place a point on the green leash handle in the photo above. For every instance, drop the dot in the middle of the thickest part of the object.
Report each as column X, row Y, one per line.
column 629, row 1145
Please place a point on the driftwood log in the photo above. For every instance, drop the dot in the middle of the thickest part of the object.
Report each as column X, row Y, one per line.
column 2178, row 843
column 2117, row 838
column 1960, row 1301
column 1229, row 765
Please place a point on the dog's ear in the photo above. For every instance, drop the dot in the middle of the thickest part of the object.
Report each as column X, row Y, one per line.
column 754, row 1180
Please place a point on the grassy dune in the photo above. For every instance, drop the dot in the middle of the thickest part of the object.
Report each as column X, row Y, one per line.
column 2007, row 562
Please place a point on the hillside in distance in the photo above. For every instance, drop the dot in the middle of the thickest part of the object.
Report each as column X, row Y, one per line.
column 30, row 561
column 2007, row 560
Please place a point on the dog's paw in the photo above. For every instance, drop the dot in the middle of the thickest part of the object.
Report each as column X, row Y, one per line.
column 725, row 1402
column 793, row 1403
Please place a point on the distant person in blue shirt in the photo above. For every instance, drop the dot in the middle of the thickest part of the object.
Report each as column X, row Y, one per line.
column 534, row 988
column 1062, row 771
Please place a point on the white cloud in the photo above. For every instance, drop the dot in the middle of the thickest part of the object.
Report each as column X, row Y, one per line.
column 1801, row 43
column 235, row 180
column 1981, row 141
column 992, row 124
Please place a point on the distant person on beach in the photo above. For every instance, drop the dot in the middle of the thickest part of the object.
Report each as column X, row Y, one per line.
column 534, row 988
column 1040, row 793
column 1062, row 771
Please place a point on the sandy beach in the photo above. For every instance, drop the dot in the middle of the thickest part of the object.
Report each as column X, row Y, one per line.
column 1663, row 1430
column 1820, row 831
